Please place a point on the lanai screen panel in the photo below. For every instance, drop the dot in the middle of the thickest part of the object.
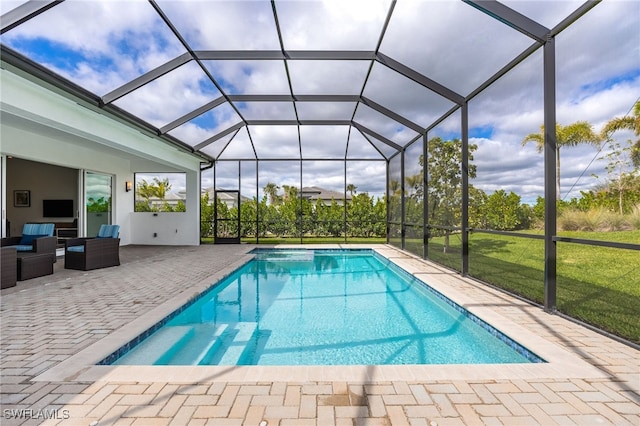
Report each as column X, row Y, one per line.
column 239, row 146
column 451, row 43
column 324, row 142
column 207, row 125
column 549, row 13
column 332, row 25
column 248, row 198
column 224, row 25
column 179, row 92
column 404, row 96
column 334, row 77
column 414, row 197
column 588, row 43
column 276, row 142
column 339, row 111
column 500, row 161
column 360, row 147
column 325, row 174
column 395, row 196
column 384, row 125
column 237, row 77
column 444, row 192
column 590, row 72
column 267, row 110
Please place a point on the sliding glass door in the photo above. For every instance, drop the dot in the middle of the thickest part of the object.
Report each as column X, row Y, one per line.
column 98, row 197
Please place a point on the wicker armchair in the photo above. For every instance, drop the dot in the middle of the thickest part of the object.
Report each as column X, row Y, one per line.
column 36, row 238
column 93, row 253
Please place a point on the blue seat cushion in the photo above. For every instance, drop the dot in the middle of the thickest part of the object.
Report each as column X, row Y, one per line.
column 108, row 231
column 24, row 247
column 76, row 249
column 27, row 239
column 45, row 229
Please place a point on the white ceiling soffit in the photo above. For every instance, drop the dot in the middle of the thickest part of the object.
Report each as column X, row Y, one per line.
column 277, row 79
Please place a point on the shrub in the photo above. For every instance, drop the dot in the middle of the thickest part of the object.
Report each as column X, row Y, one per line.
column 570, row 220
column 633, row 218
column 594, row 219
column 597, row 219
column 612, row 221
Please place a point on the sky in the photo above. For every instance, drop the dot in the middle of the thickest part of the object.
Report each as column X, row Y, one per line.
column 96, row 45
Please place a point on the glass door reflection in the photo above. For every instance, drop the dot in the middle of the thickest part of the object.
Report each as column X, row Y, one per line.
column 98, row 201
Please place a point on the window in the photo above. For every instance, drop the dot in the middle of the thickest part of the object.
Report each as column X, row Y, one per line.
column 160, row 192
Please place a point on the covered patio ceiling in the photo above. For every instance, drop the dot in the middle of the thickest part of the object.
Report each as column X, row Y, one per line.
column 260, row 80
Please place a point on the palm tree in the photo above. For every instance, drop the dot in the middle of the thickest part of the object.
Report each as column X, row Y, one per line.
column 271, row 190
column 395, row 188
column 145, row 190
column 414, row 182
column 351, row 188
column 572, row 135
column 626, row 123
column 161, row 187
column 290, row 192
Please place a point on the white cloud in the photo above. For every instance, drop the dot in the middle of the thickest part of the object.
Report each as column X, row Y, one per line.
column 328, row 77
column 331, row 24
column 105, row 40
column 170, row 96
column 224, row 25
column 450, row 42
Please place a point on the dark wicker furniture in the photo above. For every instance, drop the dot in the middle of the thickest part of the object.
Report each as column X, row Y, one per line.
column 32, row 265
column 9, row 265
column 42, row 241
column 95, row 253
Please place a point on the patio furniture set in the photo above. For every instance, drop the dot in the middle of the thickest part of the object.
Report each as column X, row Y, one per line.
column 34, row 253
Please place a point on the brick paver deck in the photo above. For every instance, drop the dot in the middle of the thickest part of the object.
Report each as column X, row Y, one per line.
column 48, row 322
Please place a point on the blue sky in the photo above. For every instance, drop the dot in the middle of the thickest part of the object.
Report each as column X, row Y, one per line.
column 97, row 46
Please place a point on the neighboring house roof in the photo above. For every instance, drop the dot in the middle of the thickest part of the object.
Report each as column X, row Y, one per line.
column 315, row 193
column 223, row 196
column 175, row 196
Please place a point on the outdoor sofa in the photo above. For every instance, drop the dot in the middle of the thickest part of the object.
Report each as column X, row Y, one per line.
column 30, row 255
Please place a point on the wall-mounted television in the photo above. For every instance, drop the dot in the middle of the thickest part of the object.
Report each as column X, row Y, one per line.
column 57, row 208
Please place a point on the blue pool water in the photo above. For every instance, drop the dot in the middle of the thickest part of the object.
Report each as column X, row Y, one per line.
column 320, row 307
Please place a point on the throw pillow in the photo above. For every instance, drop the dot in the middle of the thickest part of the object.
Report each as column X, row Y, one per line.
column 27, row 240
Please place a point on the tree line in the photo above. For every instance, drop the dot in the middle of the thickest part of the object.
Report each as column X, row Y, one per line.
column 289, row 214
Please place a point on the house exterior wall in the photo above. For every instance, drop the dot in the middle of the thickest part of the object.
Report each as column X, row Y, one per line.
column 40, row 125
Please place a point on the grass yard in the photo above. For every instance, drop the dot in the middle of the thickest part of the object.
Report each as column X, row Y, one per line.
column 598, row 285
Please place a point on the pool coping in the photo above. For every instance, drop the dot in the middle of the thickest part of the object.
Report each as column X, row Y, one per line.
column 561, row 364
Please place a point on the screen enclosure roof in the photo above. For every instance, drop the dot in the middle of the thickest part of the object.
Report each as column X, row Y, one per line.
column 256, row 80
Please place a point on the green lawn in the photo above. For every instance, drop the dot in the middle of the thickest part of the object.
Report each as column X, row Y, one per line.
column 598, row 285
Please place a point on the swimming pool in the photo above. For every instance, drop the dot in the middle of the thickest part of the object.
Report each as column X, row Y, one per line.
column 320, row 307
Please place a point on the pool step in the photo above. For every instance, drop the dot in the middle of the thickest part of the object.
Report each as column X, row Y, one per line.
column 153, row 348
column 287, row 256
column 235, row 349
column 203, row 339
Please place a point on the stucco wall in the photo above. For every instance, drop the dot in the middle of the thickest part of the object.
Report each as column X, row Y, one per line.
column 43, row 126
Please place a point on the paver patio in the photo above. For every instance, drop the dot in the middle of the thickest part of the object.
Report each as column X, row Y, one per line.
column 48, row 322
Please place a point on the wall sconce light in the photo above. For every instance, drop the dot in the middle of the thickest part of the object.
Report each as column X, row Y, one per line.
column 127, row 186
